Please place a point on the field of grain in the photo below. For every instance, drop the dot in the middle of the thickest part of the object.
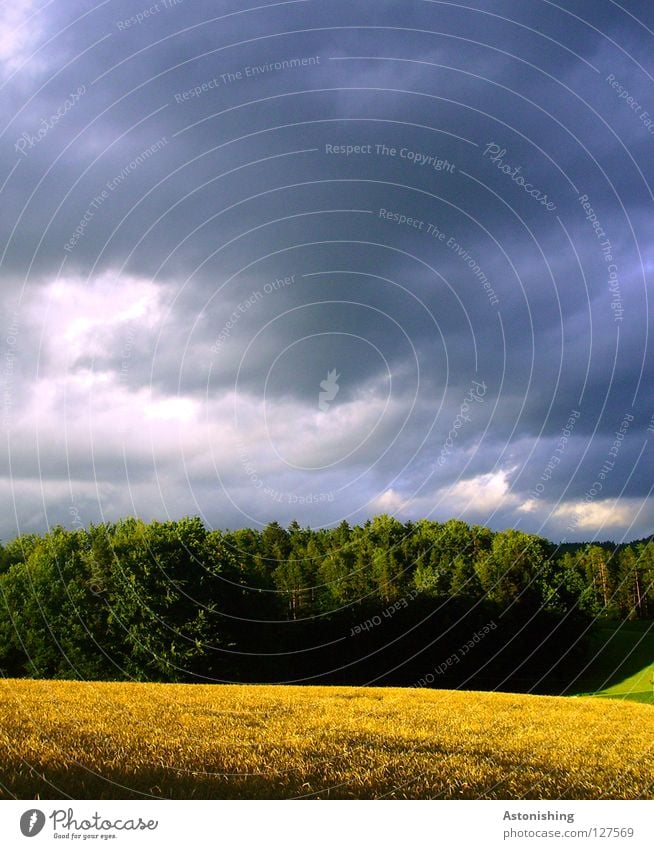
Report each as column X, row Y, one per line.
column 108, row 740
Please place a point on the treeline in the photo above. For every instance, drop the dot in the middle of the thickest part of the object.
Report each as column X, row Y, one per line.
column 388, row 602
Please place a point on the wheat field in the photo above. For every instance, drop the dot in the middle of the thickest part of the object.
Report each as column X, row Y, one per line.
column 127, row 740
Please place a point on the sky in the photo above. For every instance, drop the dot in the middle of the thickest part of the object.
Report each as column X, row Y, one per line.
column 320, row 260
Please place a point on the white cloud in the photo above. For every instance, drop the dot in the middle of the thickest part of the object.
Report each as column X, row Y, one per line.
column 91, row 318
column 390, row 501
column 596, row 515
column 20, row 31
column 171, row 409
column 346, row 430
column 487, row 492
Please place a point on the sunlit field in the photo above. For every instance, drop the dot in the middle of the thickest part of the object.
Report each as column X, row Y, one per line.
column 118, row 740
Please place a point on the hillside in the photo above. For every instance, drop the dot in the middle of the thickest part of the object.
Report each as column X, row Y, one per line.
column 622, row 664
column 108, row 740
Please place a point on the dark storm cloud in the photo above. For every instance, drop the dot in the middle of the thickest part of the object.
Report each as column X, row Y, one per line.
column 349, row 209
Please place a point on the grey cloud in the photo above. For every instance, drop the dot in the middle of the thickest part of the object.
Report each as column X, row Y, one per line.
column 241, row 191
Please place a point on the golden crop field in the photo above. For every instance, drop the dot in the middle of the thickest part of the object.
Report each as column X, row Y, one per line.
column 126, row 740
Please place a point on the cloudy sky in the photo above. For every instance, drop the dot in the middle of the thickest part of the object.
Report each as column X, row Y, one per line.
column 321, row 259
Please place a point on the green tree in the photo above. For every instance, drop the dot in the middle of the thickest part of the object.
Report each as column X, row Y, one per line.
column 512, row 569
column 159, row 596
column 633, row 590
column 53, row 620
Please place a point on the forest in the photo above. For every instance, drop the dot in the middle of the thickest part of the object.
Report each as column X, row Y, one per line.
column 385, row 602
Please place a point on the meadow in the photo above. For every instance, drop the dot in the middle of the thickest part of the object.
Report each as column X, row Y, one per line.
column 622, row 665
column 63, row 739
